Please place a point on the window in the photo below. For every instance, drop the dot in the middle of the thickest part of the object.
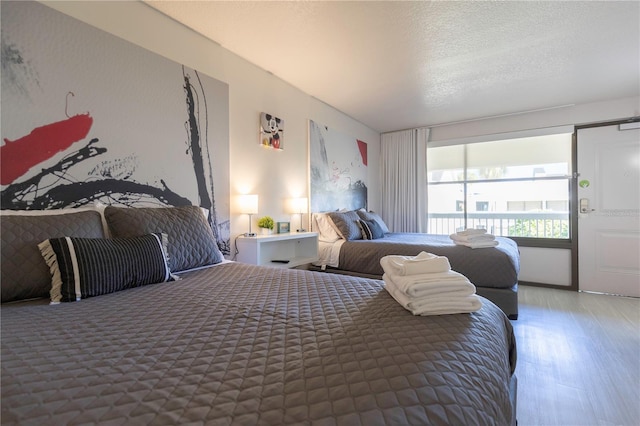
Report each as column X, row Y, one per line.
column 482, row 206
column 516, row 187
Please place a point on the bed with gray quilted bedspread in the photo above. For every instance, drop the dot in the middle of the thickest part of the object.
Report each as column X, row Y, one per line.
column 241, row 344
column 495, row 267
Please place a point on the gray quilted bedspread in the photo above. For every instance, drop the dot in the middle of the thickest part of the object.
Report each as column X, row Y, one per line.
column 241, row 344
column 496, row 267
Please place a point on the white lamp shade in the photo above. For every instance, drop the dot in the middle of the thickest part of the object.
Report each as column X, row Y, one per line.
column 248, row 204
column 298, row 205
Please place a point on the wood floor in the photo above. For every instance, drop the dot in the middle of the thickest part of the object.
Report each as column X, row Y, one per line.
column 578, row 358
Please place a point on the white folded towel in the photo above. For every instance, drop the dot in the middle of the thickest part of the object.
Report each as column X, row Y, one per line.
column 472, row 231
column 478, row 244
column 412, row 265
column 449, row 283
column 442, row 305
column 472, row 238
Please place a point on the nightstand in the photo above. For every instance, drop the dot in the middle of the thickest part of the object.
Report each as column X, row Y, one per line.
column 298, row 248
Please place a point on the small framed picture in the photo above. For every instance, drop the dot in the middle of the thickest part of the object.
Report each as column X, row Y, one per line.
column 282, row 227
column 271, row 131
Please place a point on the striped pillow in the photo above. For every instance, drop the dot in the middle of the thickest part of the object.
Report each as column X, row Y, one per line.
column 87, row 267
column 370, row 229
column 365, row 215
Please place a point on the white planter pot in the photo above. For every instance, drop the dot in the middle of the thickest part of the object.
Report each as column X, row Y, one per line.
column 265, row 231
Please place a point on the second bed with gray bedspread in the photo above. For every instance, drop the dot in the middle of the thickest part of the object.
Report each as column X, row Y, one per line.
column 494, row 271
column 495, row 267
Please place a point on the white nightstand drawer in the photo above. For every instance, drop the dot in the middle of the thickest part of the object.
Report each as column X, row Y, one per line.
column 293, row 249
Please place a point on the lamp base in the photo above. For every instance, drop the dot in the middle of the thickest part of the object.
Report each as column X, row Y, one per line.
column 249, row 234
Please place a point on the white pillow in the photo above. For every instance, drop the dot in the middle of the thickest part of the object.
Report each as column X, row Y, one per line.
column 325, row 228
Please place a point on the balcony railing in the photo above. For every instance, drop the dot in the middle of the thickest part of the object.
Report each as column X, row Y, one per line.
column 512, row 224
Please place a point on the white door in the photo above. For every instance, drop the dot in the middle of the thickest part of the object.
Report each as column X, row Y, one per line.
column 609, row 210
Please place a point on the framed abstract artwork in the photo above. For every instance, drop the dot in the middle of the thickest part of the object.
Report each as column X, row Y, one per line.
column 338, row 170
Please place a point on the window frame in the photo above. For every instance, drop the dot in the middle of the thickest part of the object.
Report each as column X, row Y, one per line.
column 571, row 178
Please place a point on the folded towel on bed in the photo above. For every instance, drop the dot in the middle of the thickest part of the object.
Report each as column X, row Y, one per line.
column 472, row 231
column 439, row 305
column 449, row 283
column 472, row 238
column 412, row 265
column 478, row 244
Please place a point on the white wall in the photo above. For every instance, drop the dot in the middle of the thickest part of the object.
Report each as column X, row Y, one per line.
column 543, row 265
column 273, row 175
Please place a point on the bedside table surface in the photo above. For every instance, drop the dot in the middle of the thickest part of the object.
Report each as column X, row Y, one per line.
column 283, row 236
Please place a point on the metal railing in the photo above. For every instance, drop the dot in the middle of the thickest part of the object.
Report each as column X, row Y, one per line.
column 511, row 224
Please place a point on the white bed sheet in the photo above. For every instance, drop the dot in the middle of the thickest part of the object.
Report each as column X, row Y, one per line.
column 329, row 253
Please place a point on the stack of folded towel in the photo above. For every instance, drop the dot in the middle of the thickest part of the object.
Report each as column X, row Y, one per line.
column 474, row 238
column 426, row 285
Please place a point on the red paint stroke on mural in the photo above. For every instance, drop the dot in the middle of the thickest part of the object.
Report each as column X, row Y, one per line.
column 18, row 156
column 362, row 146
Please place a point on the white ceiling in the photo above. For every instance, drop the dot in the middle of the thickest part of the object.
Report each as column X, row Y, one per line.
column 396, row 65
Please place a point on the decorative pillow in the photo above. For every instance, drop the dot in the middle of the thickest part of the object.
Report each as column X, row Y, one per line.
column 87, row 267
column 346, row 224
column 24, row 274
column 325, row 229
column 370, row 229
column 191, row 240
column 365, row 215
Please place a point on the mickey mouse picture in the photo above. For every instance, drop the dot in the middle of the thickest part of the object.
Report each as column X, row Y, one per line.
column 271, row 129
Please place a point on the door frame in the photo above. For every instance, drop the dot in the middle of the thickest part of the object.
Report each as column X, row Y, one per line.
column 573, row 199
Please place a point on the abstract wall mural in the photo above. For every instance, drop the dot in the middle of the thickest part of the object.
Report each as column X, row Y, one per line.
column 89, row 117
column 338, row 170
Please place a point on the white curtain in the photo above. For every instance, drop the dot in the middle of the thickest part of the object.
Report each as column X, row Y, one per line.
column 403, row 166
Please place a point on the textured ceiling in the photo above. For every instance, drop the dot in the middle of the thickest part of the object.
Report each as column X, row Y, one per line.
column 396, row 65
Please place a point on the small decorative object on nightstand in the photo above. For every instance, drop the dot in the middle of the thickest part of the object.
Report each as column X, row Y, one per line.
column 282, row 227
column 279, row 250
column 265, row 224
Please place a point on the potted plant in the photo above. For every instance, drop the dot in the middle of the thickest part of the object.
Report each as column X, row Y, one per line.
column 266, row 224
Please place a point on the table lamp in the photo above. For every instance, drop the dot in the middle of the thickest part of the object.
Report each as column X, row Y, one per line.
column 248, row 204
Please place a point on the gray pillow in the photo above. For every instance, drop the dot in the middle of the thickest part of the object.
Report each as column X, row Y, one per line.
column 24, row 273
column 365, row 215
column 346, row 224
column 191, row 240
